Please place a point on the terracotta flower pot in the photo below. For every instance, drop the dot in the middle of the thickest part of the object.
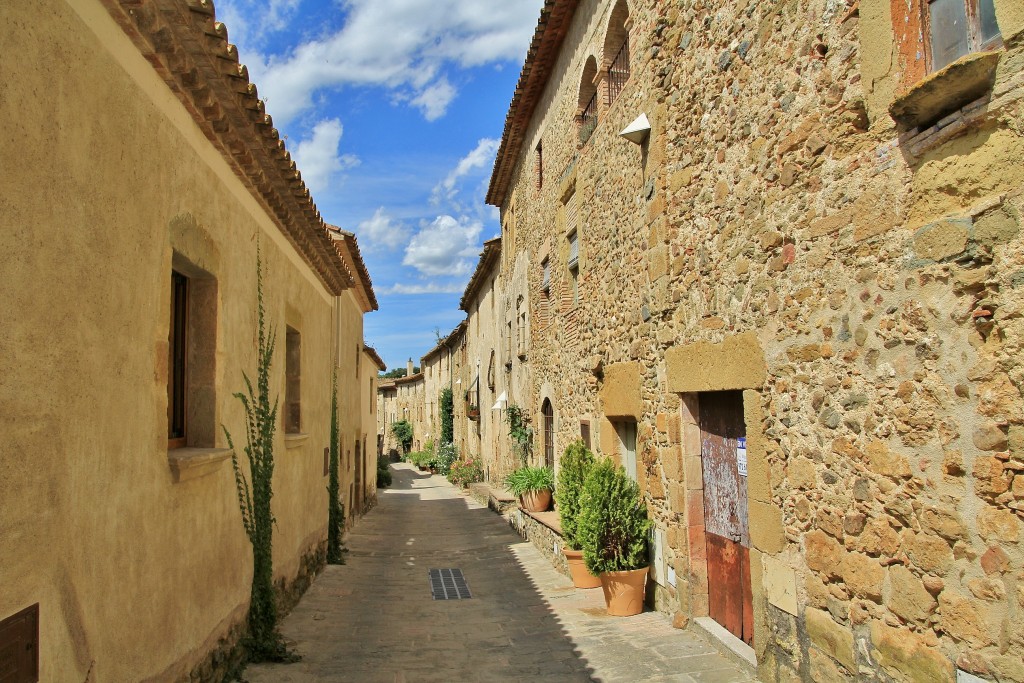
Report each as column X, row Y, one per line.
column 535, row 501
column 624, row 591
column 581, row 578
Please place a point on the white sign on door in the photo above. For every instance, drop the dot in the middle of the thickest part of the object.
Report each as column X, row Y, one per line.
column 741, row 456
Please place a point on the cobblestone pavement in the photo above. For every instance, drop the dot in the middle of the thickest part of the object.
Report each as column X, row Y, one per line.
column 373, row 619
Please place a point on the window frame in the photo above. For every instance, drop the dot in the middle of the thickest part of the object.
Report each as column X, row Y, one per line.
column 177, row 359
column 293, row 381
column 975, row 42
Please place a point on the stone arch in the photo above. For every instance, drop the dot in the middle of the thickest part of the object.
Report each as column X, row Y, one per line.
column 615, row 67
column 616, row 33
column 587, row 102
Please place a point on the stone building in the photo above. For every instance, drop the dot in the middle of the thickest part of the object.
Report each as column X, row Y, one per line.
column 140, row 177
column 400, row 399
column 771, row 260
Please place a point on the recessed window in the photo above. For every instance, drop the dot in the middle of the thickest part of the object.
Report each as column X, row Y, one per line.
column 539, row 164
column 626, row 431
column 959, row 27
column 293, row 381
column 548, row 418
column 585, row 432
column 191, row 357
column 177, row 384
column 572, row 235
column 574, row 266
column 586, row 112
column 616, row 51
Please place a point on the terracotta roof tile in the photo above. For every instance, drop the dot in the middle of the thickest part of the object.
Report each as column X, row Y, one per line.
column 552, row 27
column 190, row 51
column 489, row 257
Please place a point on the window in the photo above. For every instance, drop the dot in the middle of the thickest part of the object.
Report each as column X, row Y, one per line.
column 521, row 344
column 586, row 112
column 545, row 292
column 293, row 381
column 539, row 165
column 177, row 344
column 548, row 414
column 574, row 267
column 508, row 344
column 585, row 432
column 627, row 446
column 616, row 50
column 573, row 260
column 959, row 27
column 191, row 357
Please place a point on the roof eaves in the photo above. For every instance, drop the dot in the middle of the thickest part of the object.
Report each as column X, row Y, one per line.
column 552, row 27
column 189, row 50
column 488, row 258
column 375, row 357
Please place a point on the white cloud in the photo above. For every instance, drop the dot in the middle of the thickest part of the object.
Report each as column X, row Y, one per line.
column 434, row 99
column 383, row 232
column 402, row 45
column 481, row 156
column 428, row 288
column 317, row 156
column 447, row 246
column 250, row 22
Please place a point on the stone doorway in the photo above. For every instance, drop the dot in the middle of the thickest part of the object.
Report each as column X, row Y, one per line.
column 723, row 455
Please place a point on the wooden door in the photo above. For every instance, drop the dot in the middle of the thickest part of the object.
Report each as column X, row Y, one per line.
column 724, row 461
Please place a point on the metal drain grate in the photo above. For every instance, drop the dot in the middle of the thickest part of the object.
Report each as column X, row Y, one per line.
column 448, row 584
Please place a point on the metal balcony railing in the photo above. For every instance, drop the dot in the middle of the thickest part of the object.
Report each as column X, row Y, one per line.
column 618, row 72
column 588, row 119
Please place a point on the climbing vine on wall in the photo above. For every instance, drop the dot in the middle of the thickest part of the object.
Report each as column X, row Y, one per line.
column 335, row 509
column 520, row 433
column 264, row 641
column 447, row 416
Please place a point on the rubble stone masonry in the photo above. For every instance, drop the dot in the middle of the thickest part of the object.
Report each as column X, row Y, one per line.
column 841, row 241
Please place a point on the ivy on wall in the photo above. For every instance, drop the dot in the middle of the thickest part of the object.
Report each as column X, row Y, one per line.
column 447, row 416
column 335, row 509
column 264, row 641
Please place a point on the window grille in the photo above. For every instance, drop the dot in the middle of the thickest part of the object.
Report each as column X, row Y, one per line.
column 574, row 251
column 618, row 72
column 588, row 119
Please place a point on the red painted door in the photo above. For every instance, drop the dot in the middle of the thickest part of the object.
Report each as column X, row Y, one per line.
column 724, row 461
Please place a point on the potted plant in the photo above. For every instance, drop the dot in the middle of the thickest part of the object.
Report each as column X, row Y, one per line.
column 576, row 463
column 613, row 529
column 472, row 412
column 532, row 486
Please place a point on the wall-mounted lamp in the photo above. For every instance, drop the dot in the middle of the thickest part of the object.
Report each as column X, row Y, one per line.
column 638, row 130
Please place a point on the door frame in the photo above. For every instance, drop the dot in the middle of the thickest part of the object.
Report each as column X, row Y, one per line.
column 736, row 363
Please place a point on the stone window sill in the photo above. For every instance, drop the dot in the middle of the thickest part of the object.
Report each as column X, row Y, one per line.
column 192, row 463
column 295, row 439
column 946, row 90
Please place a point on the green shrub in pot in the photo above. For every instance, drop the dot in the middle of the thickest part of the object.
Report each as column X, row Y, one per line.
column 576, row 463
column 613, row 526
column 530, row 479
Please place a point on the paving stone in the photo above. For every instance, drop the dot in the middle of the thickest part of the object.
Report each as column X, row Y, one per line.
column 373, row 619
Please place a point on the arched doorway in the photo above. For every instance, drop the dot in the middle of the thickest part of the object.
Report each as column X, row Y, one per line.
column 548, row 414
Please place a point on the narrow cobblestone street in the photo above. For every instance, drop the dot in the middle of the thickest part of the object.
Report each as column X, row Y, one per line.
column 373, row 619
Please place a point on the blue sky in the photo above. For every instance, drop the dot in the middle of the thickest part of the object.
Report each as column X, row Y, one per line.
column 393, row 110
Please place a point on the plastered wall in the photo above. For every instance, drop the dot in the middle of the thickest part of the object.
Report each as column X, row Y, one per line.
column 138, row 575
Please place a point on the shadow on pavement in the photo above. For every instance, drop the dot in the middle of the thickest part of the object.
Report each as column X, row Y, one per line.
column 374, row 618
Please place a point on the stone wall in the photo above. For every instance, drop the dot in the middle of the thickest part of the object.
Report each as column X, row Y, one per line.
column 860, row 280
